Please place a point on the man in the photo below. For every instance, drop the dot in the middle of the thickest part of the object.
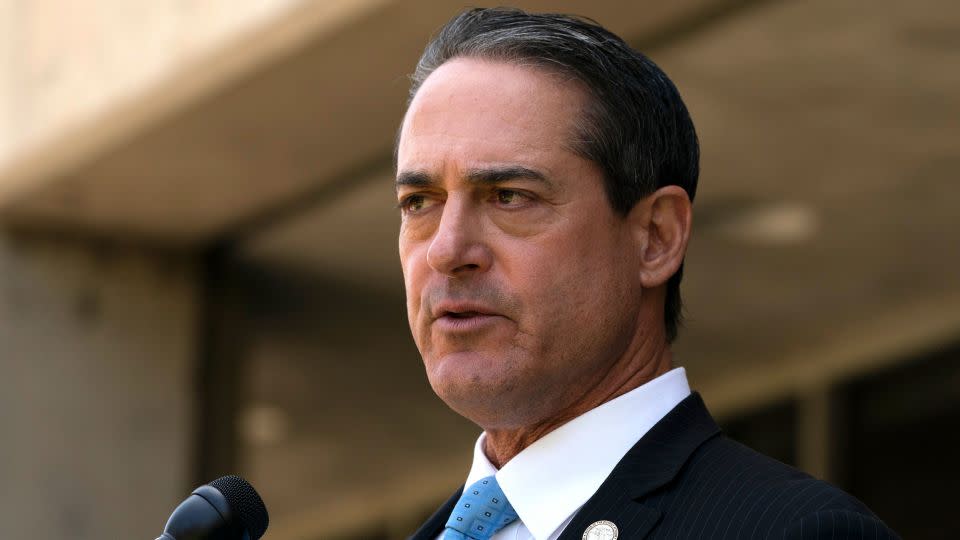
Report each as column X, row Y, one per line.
column 545, row 173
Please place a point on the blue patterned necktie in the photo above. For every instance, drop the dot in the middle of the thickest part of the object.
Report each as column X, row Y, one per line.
column 482, row 510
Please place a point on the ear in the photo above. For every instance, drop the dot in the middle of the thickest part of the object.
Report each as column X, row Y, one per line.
column 661, row 225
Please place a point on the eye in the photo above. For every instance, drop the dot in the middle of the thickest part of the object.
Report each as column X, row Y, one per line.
column 412, row 204
column 510, row 197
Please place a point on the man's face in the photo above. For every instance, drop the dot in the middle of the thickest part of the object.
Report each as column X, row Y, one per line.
column 522, row 286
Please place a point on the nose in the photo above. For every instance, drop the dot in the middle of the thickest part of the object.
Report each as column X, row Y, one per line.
column 457, row 247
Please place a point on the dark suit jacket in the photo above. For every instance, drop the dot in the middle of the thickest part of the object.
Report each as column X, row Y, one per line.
column 685, row 479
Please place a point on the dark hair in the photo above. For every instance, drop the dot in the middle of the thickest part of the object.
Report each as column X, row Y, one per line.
column 635, row 127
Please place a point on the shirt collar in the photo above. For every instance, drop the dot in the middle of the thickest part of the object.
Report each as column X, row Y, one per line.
column 553, row 477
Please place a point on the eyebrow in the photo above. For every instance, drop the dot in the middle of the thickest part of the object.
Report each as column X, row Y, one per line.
column 413, row 178
column 496, row 175
column 486, row 175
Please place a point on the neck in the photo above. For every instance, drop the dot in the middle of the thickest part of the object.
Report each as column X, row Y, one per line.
column 644, row 362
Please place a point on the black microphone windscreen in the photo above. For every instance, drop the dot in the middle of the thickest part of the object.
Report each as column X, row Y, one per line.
column 244, row 500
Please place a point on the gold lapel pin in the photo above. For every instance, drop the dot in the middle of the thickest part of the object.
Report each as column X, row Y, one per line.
column 601, row 530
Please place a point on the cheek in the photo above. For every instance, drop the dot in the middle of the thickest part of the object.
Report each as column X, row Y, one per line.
column 414, row 269
column 568, row 283
column 547, row 284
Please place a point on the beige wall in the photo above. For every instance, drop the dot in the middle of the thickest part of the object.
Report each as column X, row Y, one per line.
column 96, row 350
column 65, row 62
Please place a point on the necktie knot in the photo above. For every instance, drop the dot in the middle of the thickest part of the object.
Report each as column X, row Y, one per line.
column 482, row 510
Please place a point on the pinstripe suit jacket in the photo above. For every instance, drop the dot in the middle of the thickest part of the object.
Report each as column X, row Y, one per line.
column 685, row 479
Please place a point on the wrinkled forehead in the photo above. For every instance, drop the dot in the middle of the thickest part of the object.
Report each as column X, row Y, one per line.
column 488, row 110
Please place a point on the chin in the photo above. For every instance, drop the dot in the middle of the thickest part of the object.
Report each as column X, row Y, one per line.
column 486, row 390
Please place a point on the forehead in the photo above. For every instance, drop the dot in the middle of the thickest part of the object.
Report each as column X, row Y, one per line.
column 471, row 112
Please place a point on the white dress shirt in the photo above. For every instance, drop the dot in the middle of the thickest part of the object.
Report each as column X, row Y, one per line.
column 552, row 478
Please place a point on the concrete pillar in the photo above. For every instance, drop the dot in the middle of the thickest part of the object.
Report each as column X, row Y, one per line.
column 97, row 348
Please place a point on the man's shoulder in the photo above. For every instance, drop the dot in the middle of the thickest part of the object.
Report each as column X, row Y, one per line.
column 735, row 492
column 743, row 473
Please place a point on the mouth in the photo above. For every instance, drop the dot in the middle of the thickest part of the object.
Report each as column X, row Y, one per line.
column 463, row 319
column 462, row 314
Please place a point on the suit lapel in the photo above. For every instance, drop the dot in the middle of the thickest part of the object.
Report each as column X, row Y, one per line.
column 652, row 463
column 433, row 526
column 613, row 503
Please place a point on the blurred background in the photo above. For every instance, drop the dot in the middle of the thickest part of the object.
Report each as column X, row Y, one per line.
column 198, row 268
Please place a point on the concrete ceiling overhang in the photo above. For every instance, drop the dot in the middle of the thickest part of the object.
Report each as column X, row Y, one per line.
column 269, row 120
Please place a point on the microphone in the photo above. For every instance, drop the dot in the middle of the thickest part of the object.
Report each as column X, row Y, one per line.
column 226, row 509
